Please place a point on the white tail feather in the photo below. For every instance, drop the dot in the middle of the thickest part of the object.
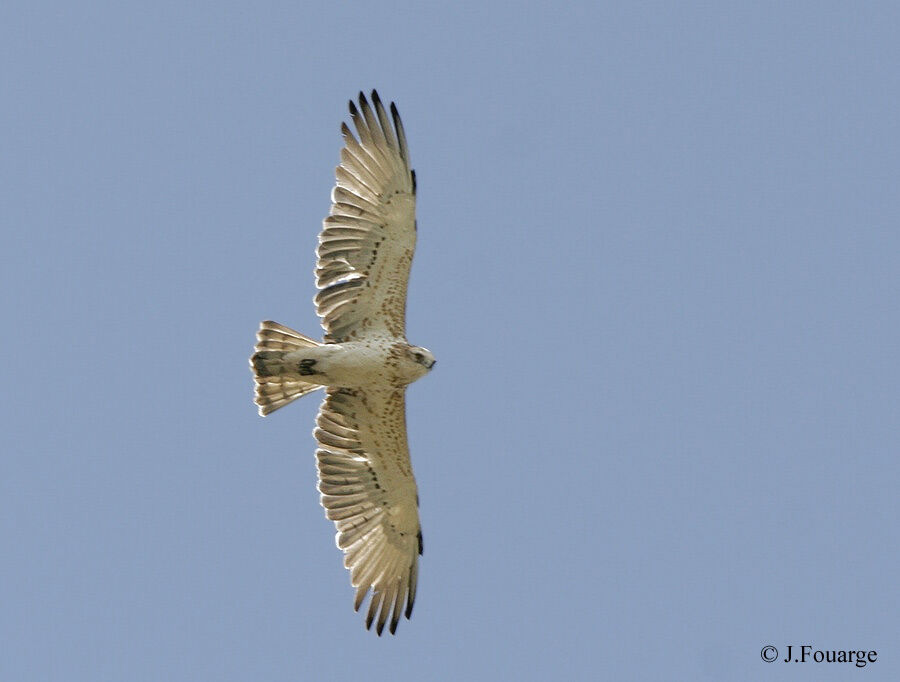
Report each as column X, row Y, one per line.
column 272, row 390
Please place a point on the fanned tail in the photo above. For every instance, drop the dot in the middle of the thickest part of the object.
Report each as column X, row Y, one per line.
column 273, row 390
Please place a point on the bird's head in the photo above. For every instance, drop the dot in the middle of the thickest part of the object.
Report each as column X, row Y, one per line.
column 421, row 356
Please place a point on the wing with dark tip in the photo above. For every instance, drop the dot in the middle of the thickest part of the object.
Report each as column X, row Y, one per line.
column 367, row 243
column 369, row 491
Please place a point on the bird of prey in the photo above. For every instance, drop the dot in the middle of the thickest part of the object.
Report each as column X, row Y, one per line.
column 364, row 363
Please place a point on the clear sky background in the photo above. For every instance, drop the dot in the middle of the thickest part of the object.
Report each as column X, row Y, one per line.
column 658, row 264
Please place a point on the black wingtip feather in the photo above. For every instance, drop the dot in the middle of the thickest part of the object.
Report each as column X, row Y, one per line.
column 346, row 133
column 413, row 174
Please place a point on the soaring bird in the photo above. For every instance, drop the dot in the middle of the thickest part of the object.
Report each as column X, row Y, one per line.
column 364, row 363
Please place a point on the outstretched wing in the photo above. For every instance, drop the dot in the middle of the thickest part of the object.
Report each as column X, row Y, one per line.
column 368, row 490
column 367, row 243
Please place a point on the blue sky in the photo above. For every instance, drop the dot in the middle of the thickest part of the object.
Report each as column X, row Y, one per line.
column 658, row 265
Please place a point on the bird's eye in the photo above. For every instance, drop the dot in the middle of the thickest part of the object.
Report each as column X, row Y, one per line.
column 418, row 356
